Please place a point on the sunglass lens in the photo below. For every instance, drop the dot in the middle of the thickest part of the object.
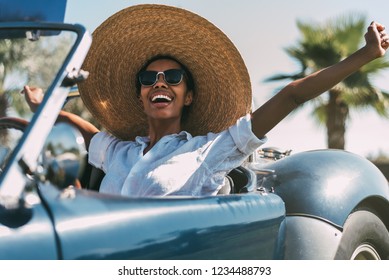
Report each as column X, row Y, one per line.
column 173, row 76
column 147, row 78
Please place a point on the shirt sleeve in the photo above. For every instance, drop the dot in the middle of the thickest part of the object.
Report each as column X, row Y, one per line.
column 98, row 149
column 227, row 150
column 230, row 148
column 246, row 141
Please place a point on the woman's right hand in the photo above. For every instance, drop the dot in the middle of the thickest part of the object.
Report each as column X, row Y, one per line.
column 33, row 96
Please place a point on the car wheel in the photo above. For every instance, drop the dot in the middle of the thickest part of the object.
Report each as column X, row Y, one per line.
column 365, row 237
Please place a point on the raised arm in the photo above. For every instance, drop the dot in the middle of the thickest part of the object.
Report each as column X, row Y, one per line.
column 34, row 97
column 302, row 90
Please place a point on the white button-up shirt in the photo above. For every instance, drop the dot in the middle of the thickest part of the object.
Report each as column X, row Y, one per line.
column 178, row 164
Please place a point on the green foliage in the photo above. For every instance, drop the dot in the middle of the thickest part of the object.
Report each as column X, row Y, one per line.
column 324, row 44
column 35, row 63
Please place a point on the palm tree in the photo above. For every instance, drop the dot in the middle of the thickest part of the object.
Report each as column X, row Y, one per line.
column 323, row 45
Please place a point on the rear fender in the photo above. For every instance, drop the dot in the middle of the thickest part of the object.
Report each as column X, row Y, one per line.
column 327, row 184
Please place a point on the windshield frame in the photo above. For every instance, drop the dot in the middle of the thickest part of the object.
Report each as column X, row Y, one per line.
column 13, row 179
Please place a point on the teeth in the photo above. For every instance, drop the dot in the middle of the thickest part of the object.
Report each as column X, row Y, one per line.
column 160, row 96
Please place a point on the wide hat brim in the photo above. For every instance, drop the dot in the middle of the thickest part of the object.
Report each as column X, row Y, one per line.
column 127, row 40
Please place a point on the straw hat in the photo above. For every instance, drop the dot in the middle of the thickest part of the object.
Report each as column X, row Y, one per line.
column 127, row 40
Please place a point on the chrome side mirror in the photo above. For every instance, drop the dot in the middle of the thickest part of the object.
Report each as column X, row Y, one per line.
column 64, row 155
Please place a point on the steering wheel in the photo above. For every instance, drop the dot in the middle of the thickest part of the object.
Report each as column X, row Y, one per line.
column 6, row 147
column 13, row 123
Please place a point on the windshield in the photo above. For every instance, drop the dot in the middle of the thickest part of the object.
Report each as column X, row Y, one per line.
column 27, row 57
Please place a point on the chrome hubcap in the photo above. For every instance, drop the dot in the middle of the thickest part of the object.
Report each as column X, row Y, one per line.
column 365, row 252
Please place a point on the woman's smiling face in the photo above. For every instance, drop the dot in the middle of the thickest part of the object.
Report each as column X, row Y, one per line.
column 163, row 100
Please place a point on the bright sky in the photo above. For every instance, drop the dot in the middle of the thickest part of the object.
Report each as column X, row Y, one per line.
column 261, row 30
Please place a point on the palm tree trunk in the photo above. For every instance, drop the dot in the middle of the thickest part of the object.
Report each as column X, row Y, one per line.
column 337, row 113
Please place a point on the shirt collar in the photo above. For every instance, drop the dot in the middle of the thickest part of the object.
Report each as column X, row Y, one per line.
column 182, row 135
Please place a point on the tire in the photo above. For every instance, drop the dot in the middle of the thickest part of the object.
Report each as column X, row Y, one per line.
column 365, row 237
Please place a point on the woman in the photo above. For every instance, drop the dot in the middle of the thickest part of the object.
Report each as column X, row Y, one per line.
column 174, row 94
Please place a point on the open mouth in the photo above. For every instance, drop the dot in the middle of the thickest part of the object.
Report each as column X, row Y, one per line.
column 160, row 98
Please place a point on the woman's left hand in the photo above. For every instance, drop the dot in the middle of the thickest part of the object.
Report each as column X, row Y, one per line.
column 377, row 39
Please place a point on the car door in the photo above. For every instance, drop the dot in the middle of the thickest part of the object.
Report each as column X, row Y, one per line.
column 92, row 225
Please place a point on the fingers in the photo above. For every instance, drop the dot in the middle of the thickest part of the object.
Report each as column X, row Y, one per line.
column 33, row 96
column 380, row 27
column 31, row 90
column 379, row 30
column 384, row 37
column 25, row 89
column 385, row 43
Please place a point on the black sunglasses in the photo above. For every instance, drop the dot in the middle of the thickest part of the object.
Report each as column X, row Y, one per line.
column 172, row 77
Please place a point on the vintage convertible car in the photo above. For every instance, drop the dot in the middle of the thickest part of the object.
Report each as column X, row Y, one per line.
column 324, row 204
